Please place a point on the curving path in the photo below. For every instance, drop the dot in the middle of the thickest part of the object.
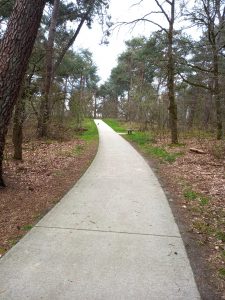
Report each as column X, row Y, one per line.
column 112, row 236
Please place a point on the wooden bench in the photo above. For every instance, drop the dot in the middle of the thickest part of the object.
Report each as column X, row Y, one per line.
column 129, row 131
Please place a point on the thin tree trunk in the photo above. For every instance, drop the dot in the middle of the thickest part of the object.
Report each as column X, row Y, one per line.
column 64, row 101
column 73, row 38
column 15, row 50
column 170, row 80
column 95, row 106
column 217, row 97
column 80, row 102
column 190, row 114
column 44, row 115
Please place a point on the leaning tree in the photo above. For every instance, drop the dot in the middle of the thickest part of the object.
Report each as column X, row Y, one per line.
column 15, row 49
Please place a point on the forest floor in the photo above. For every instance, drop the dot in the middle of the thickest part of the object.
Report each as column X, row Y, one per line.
column 195, row 188
column 195, row 185
column 49, row 169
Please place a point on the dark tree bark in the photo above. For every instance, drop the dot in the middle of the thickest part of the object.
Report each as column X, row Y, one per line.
column 18, row 120
column 48, row 76
column 20, row 115
column 217, row 96
column 170, row 79
column 70, row 43
column 15, row 50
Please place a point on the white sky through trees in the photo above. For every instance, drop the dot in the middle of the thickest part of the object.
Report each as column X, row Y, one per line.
column 104, row 56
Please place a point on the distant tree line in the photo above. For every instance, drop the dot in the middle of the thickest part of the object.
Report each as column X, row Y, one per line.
column 164, row 81
column 170, row 80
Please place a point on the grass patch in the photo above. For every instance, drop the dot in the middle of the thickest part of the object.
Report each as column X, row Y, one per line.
column 78, row 150
column 27, row 227
column 141, row 138
column 13, row 242
column 202, row 227
column 204, row 200
column 91, row 132
column 145, row 141
column 220, row 235
column 2, row 251
column 163, row 154
column 190, row 194
column 115, row 125
column 222, row 272
column 196, row 209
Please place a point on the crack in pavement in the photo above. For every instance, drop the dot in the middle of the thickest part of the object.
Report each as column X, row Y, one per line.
column 109, row 231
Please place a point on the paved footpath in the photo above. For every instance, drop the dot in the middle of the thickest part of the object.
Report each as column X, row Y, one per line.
column 112, row 236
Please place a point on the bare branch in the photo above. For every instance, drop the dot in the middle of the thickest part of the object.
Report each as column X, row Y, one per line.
column 196, row 67
column 136, row 4
column 139, row 20
column 194, row 83
column 163, row 11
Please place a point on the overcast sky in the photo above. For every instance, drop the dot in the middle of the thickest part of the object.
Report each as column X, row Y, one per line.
column 104, row 56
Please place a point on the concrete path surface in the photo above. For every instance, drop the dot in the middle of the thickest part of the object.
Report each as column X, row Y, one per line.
column 112, row 236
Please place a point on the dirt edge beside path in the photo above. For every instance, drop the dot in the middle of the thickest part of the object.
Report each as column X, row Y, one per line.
column 197, row 252
column 34, row 186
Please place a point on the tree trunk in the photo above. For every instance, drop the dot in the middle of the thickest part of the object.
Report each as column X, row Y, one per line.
column 170, row 80
column 95, row 106
column 64, row 101
column 217, row 97
column 15, row 50
column 190, row 113
column 80, row 103
column 44, row 115
column 76, row 33
column 19, row 117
